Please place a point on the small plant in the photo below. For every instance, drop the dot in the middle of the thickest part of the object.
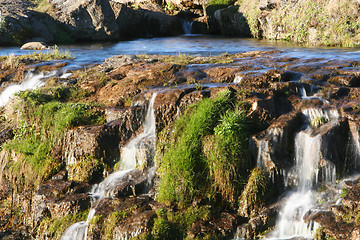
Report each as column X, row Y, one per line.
column 319, row 121
column 343, row 192
column 252, row 199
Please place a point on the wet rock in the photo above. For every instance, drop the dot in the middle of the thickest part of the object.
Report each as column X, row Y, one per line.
column 273, row 149
column 340, row 92
column 334, row 139
column 134, row 225
column 58, row 198
column 5, row 135
column 133, row 184
column 137, row 217
column 346, row 80
column 333, row 227
column 245, row 231
column 101, row 142
column 160, row 24
column 222, row 225
column 167, row 105
column 35, row 46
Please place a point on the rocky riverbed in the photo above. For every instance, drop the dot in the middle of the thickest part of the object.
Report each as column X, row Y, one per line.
column 61, row 139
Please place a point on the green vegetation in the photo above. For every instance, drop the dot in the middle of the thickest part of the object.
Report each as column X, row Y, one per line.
column 310, row 22
column 87, row 170
column 175, row 225
column 208, row 153
column 111, row 222
column 42, row 120
column 252, row 199
column 55, row 227
column 12, row 61
column 319, row 121
column 214, row 5
column 251, row 11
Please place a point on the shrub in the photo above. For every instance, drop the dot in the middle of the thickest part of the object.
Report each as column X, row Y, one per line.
column 227, row 156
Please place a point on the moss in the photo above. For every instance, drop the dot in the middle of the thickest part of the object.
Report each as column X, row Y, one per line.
column 95, row 225
column 86, row 170
column 55, row 227
column 111, row 222
column 175, row 225
column 252, row 199
column 43, row 121
column 183, row 169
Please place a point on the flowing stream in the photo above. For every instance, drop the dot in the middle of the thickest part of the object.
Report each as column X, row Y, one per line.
column 306, row 176
column 31, row 81
column 129, row 158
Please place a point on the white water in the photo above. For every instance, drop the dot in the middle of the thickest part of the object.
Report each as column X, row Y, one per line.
column 187, row 26
column 31, row 81
column 305, row 176
column 106, row 188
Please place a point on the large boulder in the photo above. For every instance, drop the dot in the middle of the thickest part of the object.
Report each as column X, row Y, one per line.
column 94, row 20
column 232, row 23
column 110, row 20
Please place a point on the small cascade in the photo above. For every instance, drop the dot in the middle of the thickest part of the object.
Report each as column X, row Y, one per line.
column 309, row 171
column 302, row 92
column 267, row 146
column 129, row 160
column 187, row 26
column 238, row 79
column 31, row 81
column 353, row 150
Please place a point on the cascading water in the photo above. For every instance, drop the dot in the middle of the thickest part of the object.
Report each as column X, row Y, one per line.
column 187, row 26
column 305, row 175
column 31, row 81
column 129, row 160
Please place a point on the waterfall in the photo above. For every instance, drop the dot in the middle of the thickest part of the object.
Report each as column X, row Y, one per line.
column 129, row 160
column 31, row 81
column 187, row 26
column 306, row 175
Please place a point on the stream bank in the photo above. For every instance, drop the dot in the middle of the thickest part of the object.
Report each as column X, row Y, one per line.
column 323, row 23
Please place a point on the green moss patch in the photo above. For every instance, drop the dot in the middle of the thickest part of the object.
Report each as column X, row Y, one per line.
column 42, row 121
column 207, row 153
